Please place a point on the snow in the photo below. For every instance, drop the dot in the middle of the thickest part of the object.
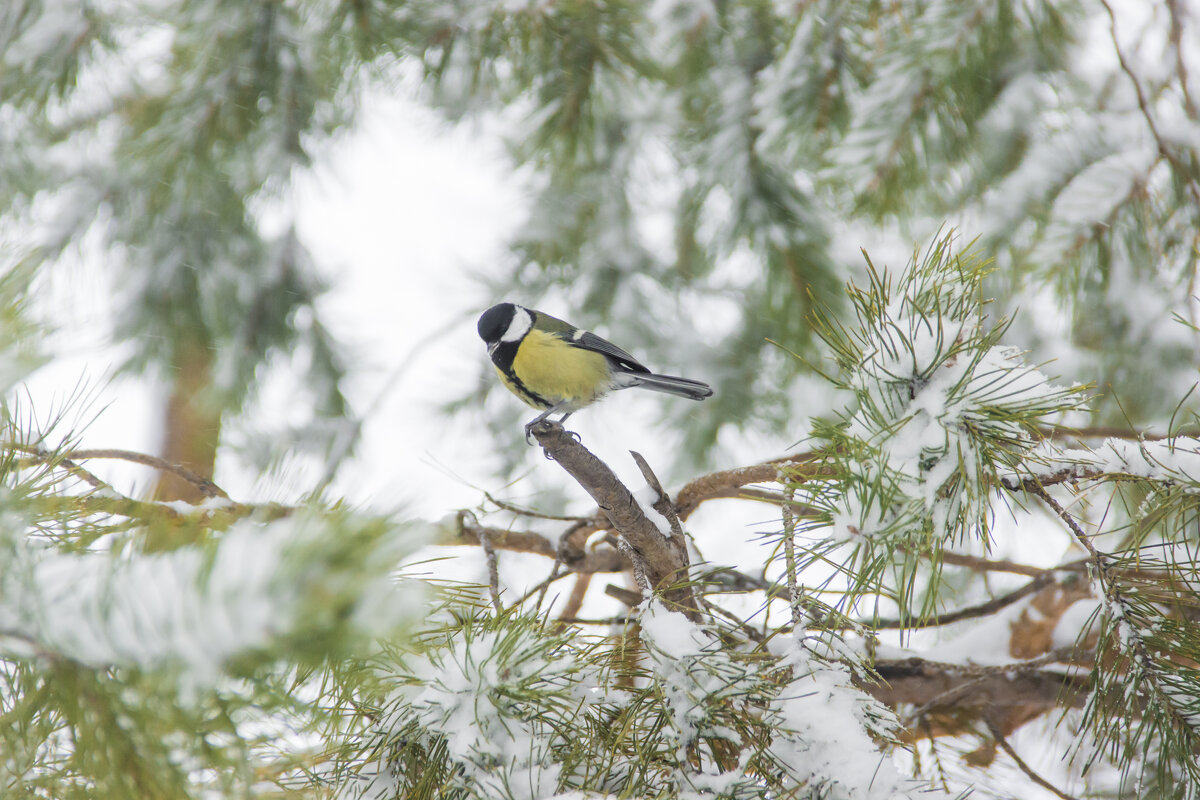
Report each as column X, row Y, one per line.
column 1078, row 617
column 930, row 389
column 192, row 609
column 473, row 693
column 646, row 497
column 1164, row 460
column 184, row 508
column 823, row 724
column 60, row 23
column 674, row 634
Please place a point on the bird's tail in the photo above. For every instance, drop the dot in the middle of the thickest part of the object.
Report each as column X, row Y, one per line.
column 683, row 387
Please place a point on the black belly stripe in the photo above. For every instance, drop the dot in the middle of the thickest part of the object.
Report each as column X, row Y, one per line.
column 503, row 359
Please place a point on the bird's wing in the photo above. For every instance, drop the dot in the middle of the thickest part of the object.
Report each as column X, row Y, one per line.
column 590, row 341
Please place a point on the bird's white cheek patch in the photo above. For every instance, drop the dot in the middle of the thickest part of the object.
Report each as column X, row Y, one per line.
column 522, row 321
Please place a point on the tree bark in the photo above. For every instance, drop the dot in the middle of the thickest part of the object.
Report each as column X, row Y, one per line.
column 661, row 554
column 192, row 426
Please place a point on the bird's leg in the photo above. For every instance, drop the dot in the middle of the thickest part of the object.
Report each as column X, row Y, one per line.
column 572, row 434
column 551, row 410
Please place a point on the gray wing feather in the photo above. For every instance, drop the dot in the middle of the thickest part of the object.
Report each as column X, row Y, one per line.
column 590, row 341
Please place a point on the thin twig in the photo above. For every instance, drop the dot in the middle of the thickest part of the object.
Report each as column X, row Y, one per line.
column 626, row 596
column 493, row 568
column 1143, row 104
column 489, row 552
column 971, row 612
column 1064, row 655
column 601, row 621
column 742, row 625
column 942, row 699
column 1096, row 556
column 545, row 585
column 541, row 587
column 998, row 735
column 528, row 512
column 575, row 598
column 71, row 467
column 205, row 486
column 1176, row 36
column 992, row 565
column 789, row 553
column 345, row 443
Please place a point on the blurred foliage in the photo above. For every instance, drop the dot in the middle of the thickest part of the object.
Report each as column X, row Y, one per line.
column 779, row 138
column 702, row 172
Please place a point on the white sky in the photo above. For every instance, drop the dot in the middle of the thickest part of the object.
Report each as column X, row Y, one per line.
column 395, row 214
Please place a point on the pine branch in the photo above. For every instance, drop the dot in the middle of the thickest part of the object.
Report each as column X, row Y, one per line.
column 601, row 560
column 949, row 698
column 1001, row 740
column 1164, row 149
column 973, row 612
column 1123, row 614
column 662, row 555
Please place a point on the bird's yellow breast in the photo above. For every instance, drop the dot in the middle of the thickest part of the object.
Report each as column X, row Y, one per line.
column 559, row 371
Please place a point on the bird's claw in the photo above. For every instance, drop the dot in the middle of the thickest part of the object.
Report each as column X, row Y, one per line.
column 530, row 426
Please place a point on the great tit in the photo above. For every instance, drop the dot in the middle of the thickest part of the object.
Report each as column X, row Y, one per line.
column 557, row 367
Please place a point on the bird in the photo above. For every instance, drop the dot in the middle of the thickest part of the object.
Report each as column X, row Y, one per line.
column 554, row 366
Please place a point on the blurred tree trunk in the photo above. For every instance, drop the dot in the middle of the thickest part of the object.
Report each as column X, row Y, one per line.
column 193, row 423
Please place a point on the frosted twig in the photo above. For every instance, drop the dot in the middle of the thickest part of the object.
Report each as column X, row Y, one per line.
column 789, row 553
column 971, row 612
column 1176, row 35
column 1112, row 432
column 1113, row 595
column 528, row 512
column 998, row 735
column 639, row 566
column 205, row 486
column 663, row 505
column 493, row 568
column 1144, row 105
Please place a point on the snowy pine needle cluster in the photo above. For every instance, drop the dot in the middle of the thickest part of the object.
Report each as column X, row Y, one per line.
column 940, row 407
column 498, row 707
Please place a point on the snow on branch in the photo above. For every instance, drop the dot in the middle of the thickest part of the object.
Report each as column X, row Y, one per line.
column 196, row 608
column 940, row 405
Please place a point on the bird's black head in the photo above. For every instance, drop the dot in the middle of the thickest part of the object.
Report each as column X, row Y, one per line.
column 495, row 321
